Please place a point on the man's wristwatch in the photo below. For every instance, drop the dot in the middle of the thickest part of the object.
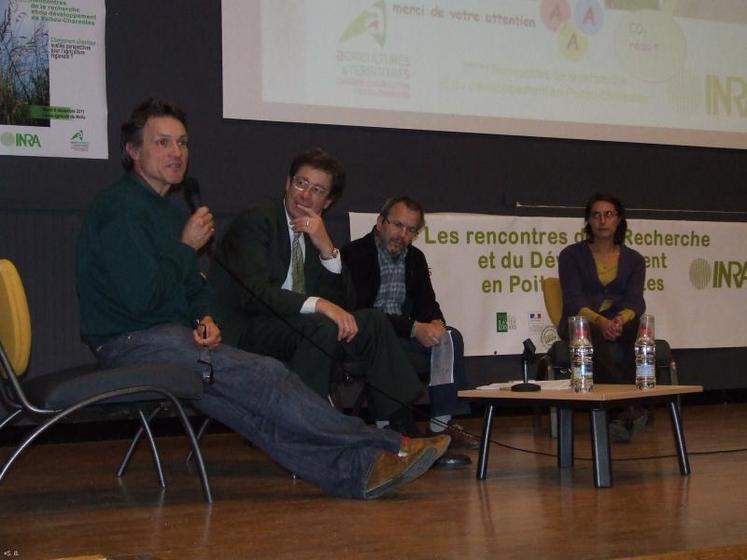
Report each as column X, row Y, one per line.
column 333, row 255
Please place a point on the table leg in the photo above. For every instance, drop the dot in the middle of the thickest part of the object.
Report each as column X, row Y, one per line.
column 565, row 437
column 600, row 448
column 487, row 428
column 679, row 438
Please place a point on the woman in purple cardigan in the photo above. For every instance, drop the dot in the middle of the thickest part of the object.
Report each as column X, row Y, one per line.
column 602, row 280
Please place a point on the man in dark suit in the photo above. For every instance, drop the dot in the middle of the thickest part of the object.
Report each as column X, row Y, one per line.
column 295, row 304
column 391, row 275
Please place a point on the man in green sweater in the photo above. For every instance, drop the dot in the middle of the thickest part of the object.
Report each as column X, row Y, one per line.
column 143, row 299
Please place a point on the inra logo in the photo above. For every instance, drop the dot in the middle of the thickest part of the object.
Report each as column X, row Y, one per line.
column 728, row 274
column 726, row 96
column 725, row 274
column 20, row 139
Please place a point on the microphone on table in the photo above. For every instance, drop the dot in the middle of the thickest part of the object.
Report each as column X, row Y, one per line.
column 527, row 357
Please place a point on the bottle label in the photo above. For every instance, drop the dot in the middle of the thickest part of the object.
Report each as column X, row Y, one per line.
column 644, row 370
column 581, row 371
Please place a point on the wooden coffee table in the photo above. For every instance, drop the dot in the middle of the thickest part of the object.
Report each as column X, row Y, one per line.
column 597, row 402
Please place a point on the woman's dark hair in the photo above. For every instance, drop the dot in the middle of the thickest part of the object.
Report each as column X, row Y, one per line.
column 132, row 128
column 622, row 227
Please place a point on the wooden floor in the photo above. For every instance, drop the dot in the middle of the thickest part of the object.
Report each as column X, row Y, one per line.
column 63, row 500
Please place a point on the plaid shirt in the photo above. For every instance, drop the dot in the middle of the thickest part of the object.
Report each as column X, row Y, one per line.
column 392, row 290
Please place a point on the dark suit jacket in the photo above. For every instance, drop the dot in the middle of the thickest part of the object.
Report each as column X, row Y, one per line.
column 256, row 249
column 361, row 259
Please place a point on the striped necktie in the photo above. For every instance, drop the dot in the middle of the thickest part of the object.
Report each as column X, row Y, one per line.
column 297, row 280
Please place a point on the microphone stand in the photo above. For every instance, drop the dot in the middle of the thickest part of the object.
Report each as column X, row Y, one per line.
column 526, row 357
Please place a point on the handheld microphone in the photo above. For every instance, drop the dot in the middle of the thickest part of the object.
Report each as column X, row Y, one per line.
column 193, row 198
column 192, row 195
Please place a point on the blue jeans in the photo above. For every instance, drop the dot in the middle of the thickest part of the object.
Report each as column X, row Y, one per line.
column 262, row 400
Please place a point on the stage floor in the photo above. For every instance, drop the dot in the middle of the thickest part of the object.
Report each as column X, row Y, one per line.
column 63, row 500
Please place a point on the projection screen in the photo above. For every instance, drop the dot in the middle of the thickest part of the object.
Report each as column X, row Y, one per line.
column 652, row 71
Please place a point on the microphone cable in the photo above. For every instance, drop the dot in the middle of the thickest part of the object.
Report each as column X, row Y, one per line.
column 193, row 199
column 192, row 196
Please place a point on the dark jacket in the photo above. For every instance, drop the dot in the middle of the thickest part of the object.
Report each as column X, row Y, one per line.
column 256, row 249
column 582, row 288
column 361, row 259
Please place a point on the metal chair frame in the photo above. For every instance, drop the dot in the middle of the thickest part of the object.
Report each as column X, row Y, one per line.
column 13, row 394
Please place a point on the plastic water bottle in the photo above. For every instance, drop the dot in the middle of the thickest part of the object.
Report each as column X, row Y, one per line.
column 645, row 354
column 581, row 350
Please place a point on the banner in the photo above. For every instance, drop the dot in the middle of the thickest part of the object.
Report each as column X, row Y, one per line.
column 487, row 272
column 53, row 78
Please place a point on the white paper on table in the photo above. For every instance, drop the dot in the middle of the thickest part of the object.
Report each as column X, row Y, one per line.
column 549, row 385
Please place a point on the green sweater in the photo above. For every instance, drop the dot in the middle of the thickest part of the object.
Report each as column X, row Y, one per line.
column 133, row 270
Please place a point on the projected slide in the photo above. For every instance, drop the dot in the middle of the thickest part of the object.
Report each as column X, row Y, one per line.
column 657, row 71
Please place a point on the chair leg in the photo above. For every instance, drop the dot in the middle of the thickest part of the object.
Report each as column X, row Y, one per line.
column 200, row 433
column 40, row 429
column 136, row 440
column 195, row 448
column 153, row 448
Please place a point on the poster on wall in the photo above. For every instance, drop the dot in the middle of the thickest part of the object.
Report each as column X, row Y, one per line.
column 53, row 78
column 487, row 272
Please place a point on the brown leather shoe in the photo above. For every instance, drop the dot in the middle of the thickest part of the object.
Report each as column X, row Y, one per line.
column 460, row 439
column 415, row 457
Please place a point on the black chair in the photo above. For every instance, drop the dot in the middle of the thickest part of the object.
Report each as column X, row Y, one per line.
column 54, row 396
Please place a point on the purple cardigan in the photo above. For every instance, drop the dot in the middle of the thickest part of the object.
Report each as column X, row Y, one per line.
column 582, row 288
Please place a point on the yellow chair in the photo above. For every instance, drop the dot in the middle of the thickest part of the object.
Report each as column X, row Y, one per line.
column 52, row 397
column 553, row 294
column 556, row 363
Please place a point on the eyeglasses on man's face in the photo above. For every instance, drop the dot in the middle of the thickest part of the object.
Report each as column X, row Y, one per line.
column 413, row 231
column 302, row 184
column 607, row 214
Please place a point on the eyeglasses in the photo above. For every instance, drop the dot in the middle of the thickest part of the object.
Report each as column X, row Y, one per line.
column 302, row 184
column 404, row 227
column 607, row 214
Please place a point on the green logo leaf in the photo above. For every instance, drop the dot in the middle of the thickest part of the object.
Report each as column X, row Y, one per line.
column 371, row 21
